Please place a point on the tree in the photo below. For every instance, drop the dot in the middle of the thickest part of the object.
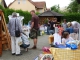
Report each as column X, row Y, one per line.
column 74, row 6
column 78, row 1
column 55, row 8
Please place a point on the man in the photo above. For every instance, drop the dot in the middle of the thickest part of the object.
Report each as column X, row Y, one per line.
column 48, row 26
column 64, row 24
column 55, row 25
column 51, row 31
column 35, row 26
column 14, row 24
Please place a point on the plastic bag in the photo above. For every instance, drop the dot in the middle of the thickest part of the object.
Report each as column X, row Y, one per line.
column 74, row 46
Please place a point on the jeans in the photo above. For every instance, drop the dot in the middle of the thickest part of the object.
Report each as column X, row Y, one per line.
column 25, row 46
column 51, row 32
column 70, row 30
column 48, row 28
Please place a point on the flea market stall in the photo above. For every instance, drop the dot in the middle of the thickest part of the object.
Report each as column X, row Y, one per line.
column 4, row 34
column 58, row 52
column 0, row 37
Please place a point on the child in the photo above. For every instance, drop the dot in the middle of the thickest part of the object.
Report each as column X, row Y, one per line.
column 61, row 29
column 25, row 41
column 66, row 38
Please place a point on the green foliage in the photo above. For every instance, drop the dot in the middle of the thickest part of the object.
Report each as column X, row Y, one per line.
column 72, row 17
column 7, row 12
column 55, row 8
column 37, row 13
column 2, row 8
column 26, row 14
column 74, row 6
column 46, row 21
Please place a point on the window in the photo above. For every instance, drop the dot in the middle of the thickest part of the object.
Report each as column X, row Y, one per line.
column 24, row 1
column 18, row 1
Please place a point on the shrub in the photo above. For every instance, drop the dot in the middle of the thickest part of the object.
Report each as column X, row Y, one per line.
column 26, row 14
column 72, row 17
column 3, row 9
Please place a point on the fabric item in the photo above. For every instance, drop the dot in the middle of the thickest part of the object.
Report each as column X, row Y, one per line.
column 51, row 26
column 11, row 25
column 24, row 46
column 26, row 30
column 35, row 19
column 64, row 25
column 74, row 36
column 17, row 32
column 33, row 34
column 56, row 30
column 51, row 32
column 76, row 26
column 48, row 28
column 60, row 46
column 76, row 30
column 20, row 42
column 14, row 44
column 49, row 23
column 64, row 41
column 25, row 39
column 57, row 38
column 70, row 30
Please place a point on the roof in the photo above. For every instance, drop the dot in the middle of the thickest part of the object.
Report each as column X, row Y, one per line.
column 11, row 3
column 50, row 13
column 36, row 4
column 39, row 4
column 4, row 3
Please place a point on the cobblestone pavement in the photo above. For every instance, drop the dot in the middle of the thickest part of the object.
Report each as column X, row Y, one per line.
column 31, row 54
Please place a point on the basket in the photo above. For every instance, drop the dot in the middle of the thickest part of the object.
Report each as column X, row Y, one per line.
column 65, row 54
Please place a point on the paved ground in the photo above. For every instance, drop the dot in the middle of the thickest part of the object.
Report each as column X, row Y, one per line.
column 31, row 54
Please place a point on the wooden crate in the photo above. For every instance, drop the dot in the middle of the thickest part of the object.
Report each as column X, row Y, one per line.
column 0, row 38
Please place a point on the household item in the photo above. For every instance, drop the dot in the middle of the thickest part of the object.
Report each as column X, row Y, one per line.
column 57, row 38
column 65, row 54
column 5, row 42
column 17, row 32
column 46, row 50
column 0, row 37
column 60, row 46
column 51, row 39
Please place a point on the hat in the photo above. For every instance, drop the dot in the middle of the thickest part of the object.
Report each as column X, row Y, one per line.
column 14, row 14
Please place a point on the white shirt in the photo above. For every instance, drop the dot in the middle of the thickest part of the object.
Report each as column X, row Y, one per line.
column 65, row 40
column 25, row 39
column 57, row 38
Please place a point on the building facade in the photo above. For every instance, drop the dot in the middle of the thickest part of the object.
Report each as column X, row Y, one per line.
column 28, row 5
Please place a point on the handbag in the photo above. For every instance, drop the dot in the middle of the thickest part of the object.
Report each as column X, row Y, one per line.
column 17, row 32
